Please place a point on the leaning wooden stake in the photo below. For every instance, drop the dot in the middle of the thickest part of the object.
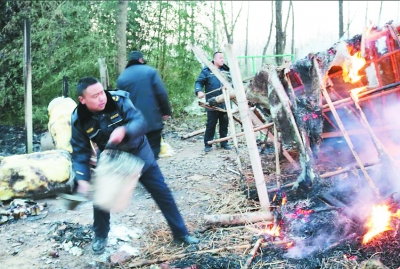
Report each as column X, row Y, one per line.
column 248, row 129
column 227, row 99
column 278, row 167
column 341, row 127
column 378, row 144
column 244, row 115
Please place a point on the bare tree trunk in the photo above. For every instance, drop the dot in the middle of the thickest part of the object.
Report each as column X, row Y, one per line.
column 270, row 32
column 292, row 48
column 229, row 32
column 214, row 26
column 120, row 31
column 247, row 37
column 279, row 31
column 380, row 13
column 284, row 32
column 341, row 18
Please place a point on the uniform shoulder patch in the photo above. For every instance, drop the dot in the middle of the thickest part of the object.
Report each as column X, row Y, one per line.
column 115, row 98
column 119, row 93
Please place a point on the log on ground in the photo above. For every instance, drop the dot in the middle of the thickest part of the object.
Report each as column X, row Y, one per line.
column 35, row 175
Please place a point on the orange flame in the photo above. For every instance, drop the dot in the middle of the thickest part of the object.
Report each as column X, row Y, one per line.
column 379, row 222
column 351, row 68
column 273, row 231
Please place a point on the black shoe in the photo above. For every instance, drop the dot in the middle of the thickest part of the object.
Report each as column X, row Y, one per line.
column 99, row 245
column 186, row 240
column 226, row 146
column 207, row 149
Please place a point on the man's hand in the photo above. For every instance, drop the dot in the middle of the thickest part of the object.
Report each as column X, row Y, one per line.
column 83, row 187
column 200, row 94
column 117, row 135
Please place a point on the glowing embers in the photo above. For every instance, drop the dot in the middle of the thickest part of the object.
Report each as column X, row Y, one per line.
column 300, row 213
column 380, row 221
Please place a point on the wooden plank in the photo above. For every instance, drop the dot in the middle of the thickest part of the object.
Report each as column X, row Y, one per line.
column 248, row 129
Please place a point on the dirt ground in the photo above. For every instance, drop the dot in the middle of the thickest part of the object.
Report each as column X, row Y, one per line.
column 202, row 184
column 193, row 176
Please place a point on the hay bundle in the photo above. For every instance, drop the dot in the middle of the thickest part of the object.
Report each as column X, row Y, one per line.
column 115, row 178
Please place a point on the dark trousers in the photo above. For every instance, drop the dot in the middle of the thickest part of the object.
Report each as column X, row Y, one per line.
column 212, row 119
column 154, row 138
column 153, row 180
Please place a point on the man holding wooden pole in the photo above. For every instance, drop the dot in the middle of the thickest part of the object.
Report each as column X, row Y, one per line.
column 210, row 82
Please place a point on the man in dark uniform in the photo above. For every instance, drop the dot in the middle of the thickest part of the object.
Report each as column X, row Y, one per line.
column 148, row 94
column 210, row 82
column 109, row 118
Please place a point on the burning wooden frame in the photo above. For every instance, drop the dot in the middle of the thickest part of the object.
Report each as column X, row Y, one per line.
column 336, row 93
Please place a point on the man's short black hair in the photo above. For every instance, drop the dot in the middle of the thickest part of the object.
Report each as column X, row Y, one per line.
column 216, row 53
column 85, row 82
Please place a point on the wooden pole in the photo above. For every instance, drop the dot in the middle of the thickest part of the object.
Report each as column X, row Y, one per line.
column 342, row 128
column 241, row 218
column 28, row 87
column 193, row 133
column 253, row 253
column 247, row 125
column 227, row 99
column 378, row 144
column 248, row 129
column 347, row 101
column 278, row 167
column 240, row 134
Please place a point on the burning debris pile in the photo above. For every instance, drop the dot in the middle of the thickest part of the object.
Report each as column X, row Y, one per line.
column 356, row 212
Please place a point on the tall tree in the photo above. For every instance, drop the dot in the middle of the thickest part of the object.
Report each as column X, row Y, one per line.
column 247, row 37
column 341, row 18
column 292, row 47
column 121, row 21
column 229, row 28
column 285, row 30
column 214, row 26
column 279, row 42
column 270, row 32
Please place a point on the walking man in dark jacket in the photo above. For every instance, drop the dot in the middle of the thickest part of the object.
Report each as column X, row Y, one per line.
column 213, row 86
column 148, row 94
column 110, row 118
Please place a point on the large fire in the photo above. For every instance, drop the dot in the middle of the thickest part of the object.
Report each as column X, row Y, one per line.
column 379, row 221
column 351, row 67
